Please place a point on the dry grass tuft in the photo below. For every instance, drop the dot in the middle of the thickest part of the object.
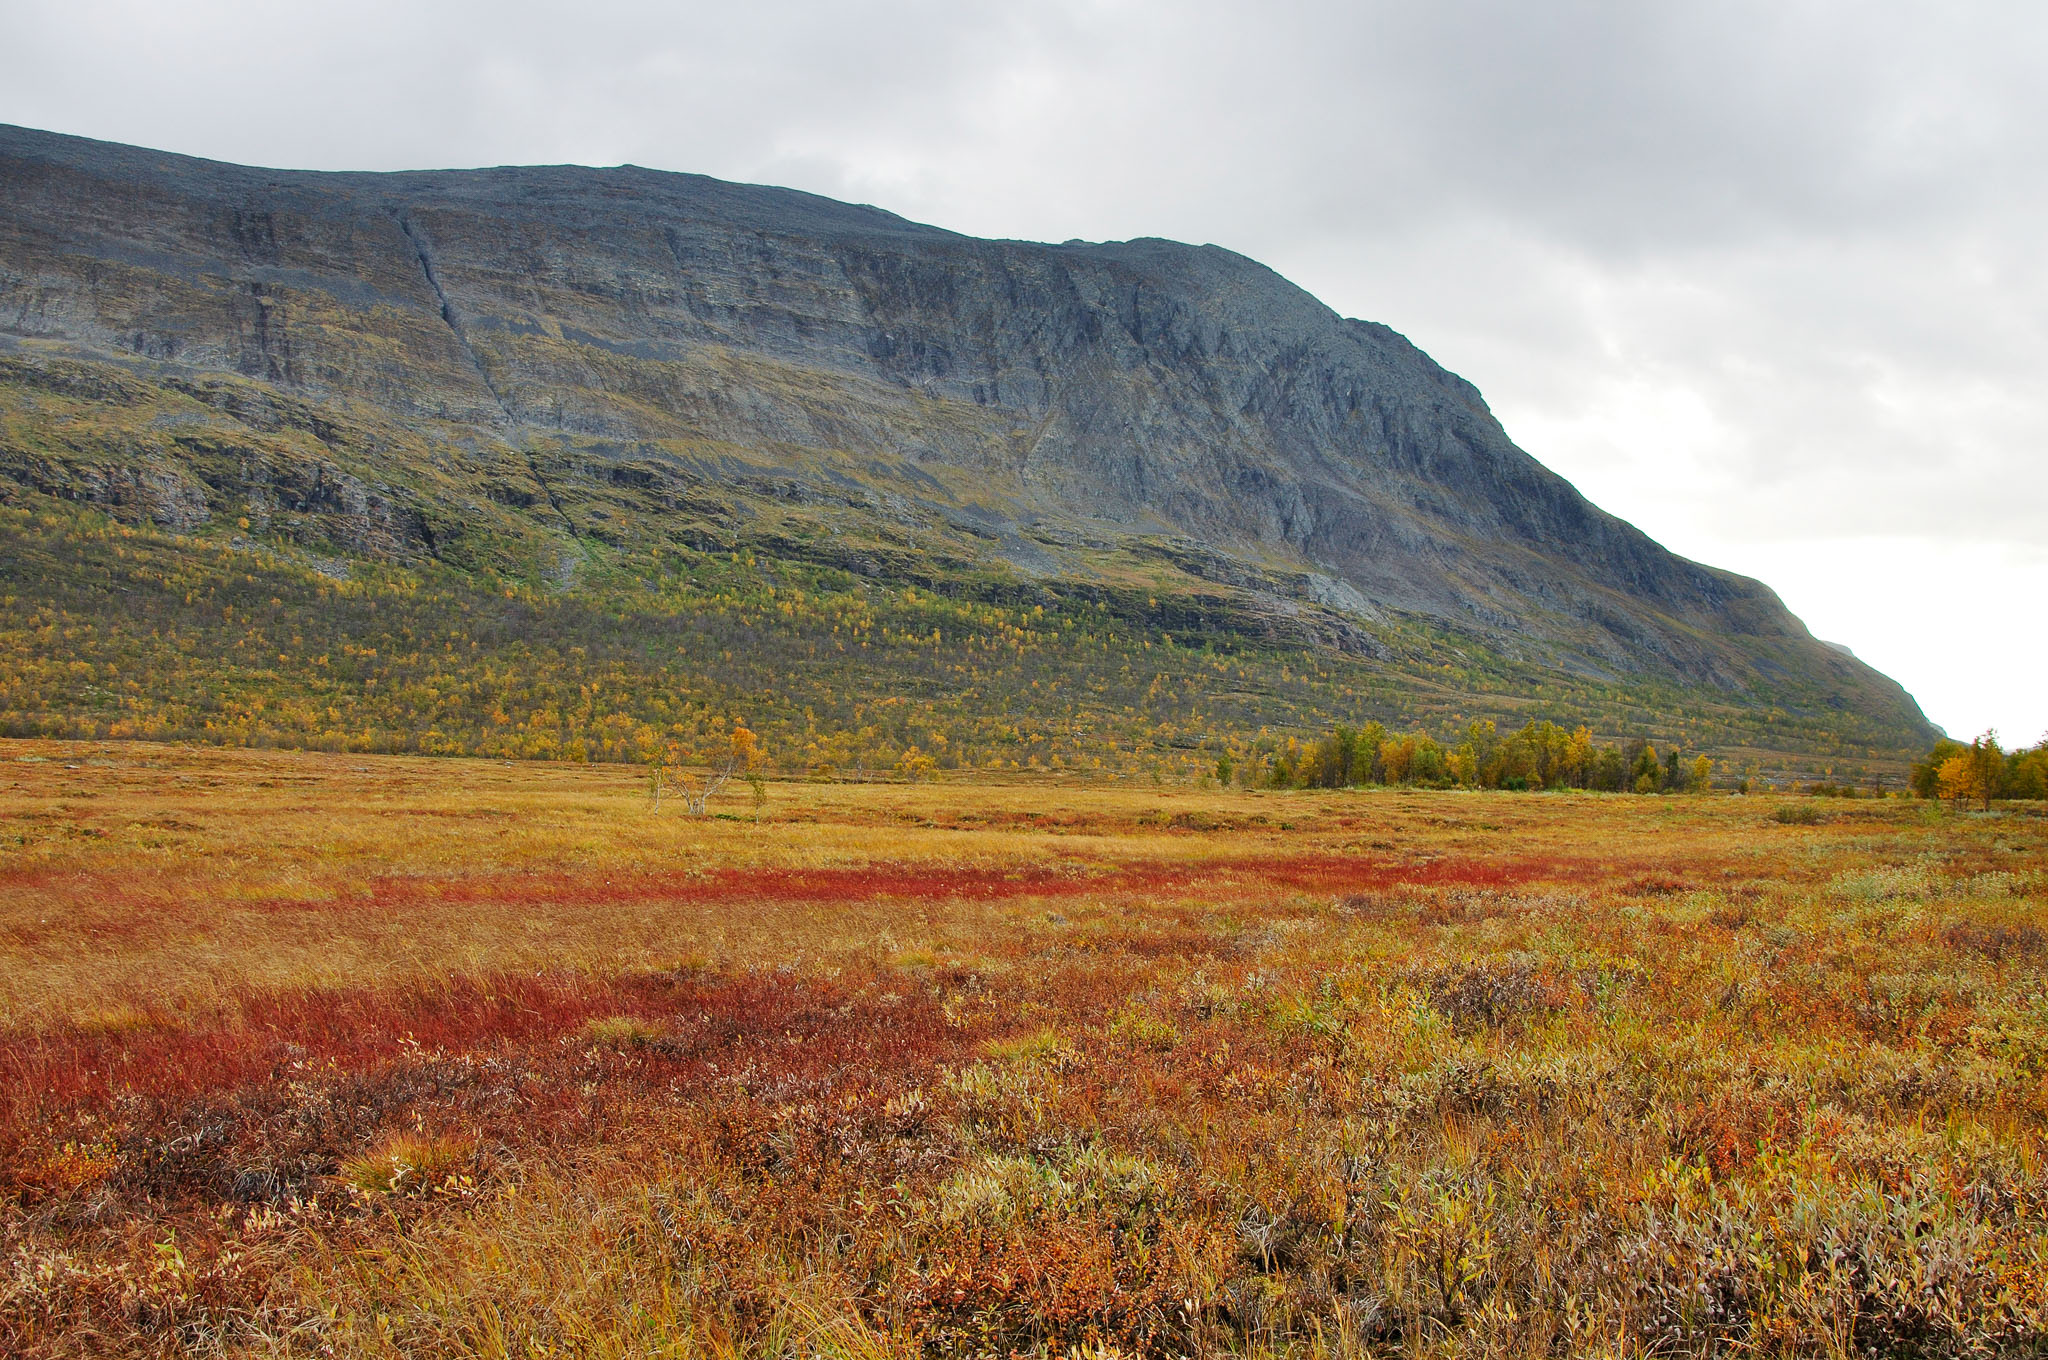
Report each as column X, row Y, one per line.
column 121, row 1019
column 1039, row 1045
column 411, row 1164
column 622, row 1031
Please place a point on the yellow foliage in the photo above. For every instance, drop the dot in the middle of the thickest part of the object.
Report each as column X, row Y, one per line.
column 1958, row 779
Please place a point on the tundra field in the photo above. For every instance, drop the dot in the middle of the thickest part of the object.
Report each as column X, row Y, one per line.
column 308, row 1054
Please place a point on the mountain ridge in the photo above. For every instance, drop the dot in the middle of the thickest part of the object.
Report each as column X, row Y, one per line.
column 523, row 367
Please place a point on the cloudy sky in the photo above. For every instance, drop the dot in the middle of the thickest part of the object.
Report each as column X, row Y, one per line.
column 1765, row 278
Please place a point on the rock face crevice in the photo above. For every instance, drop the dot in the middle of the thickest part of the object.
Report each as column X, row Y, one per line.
column 491, row 340
column 447, row 309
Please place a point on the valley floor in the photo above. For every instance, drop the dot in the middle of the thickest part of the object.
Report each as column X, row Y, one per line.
column 310, row 1054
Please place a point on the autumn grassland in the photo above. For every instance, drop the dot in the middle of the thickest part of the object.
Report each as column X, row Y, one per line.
column 330, row 1054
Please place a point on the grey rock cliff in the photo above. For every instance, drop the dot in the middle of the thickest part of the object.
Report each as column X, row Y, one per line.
column 574, row 346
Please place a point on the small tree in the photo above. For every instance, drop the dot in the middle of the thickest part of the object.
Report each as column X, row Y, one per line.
column 1578, row 757
column 1926, row 776
column 741, row 757
column 1987, row 767
column 1646, row 772
column 1702, row 774
column 915, row 764
column 1956, row 779
column 2026, row 773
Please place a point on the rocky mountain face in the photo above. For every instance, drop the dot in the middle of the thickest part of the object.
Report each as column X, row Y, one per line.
column 524, row 368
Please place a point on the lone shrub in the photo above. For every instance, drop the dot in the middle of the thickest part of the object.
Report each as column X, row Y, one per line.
column 1484, row 995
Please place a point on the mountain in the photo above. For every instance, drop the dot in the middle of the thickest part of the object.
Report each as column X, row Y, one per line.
column 540, row 375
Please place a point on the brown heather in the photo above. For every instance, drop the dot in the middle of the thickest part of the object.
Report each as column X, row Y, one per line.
column 333, row 1055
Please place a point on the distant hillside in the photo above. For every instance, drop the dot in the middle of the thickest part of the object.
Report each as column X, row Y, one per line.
column 609, row 391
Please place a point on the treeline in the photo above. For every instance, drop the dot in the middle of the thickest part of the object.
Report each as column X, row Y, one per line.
column 112, row 631
column 1541, row 755
column 1980, row 771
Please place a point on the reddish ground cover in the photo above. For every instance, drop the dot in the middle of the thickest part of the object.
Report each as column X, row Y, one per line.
column 1200, row 1074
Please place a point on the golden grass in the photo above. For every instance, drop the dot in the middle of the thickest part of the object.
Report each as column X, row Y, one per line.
column 1031, row 1068
column 274, row 869
column 622, row 1031
column 410, row 1164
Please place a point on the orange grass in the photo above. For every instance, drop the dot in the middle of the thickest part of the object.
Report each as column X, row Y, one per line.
column 330, row 1055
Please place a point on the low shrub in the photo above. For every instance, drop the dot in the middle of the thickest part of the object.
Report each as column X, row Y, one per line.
column 1996, row 942
column 1144, row 1027
column 1485, row 995
column 1035, row 1046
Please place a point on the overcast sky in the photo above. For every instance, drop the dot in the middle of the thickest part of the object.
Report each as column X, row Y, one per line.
column 1766, row 279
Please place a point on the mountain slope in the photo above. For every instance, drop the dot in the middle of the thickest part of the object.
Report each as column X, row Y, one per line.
column 532, row 372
